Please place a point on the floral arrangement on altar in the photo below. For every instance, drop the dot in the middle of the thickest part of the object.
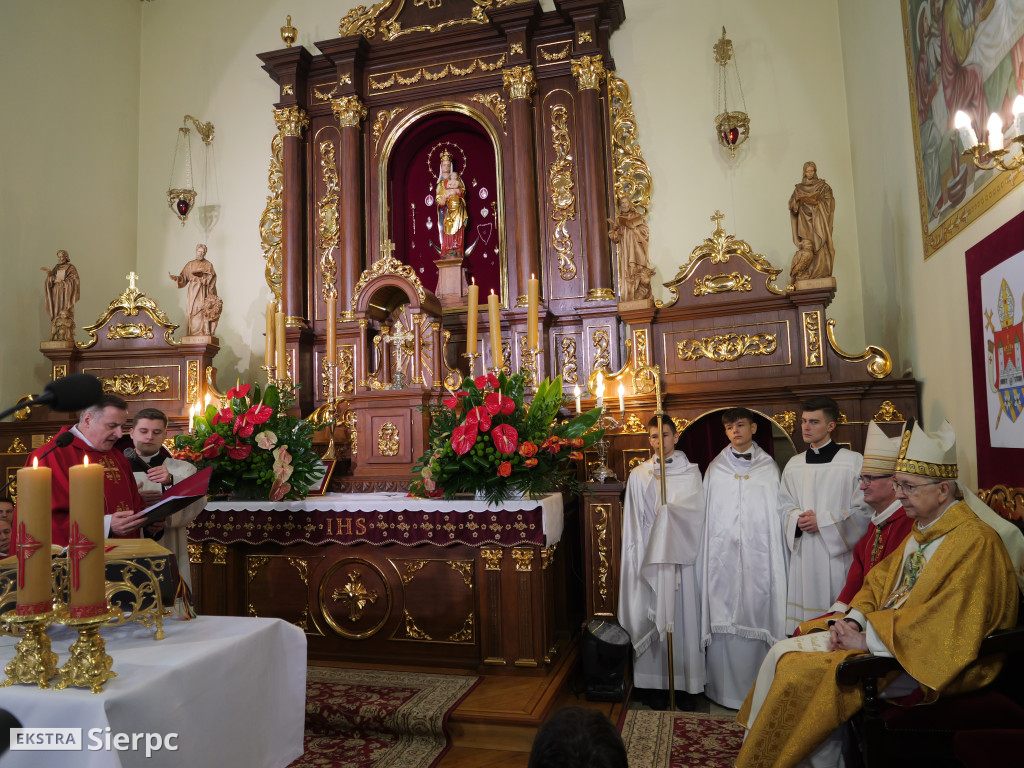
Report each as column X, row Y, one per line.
column 256, row 448
column 485, row 439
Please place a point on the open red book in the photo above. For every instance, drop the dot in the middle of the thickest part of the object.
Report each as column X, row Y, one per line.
column 179, row 496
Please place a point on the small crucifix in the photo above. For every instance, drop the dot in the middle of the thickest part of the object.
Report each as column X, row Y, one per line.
column 131, row 277
column 717, row 218
column 78, row 548
column 387, row 250
column 399, row 339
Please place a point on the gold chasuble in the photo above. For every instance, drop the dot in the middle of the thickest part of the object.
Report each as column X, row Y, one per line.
column 965, row 591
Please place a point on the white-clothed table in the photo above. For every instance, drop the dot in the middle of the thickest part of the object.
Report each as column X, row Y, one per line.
column 232, row 688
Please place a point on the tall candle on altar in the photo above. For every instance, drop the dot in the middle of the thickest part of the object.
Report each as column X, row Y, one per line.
column 576, row 394
column 280, row 341
column 532, row 305
column 494, row 315
column 85, row 544
column 472, row 316
column 268, row 348
column 332, row 329
column 33, row 540
column 622, row 398
column 599, row 390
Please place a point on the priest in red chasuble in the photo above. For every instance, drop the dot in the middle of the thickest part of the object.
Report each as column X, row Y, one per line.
column 98, row 428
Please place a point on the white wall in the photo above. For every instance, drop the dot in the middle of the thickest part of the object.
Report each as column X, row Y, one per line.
column 68, row 166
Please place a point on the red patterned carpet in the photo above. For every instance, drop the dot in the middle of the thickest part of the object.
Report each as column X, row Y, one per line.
column 357, row 718
column 681, row 739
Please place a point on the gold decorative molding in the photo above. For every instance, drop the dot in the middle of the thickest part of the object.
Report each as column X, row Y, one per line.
column 192, row 381
column 130, row 303
column 411, row 568
column 59, row 372
column 602, row 516
column 879, row 361
column 888, row 412
column 301, row 565
column 589, row 71
column 287, row 90
column 680, row 423
column 384, row 117
column 270, row 221
column 195, row 553
column 398, row 77
column 496, row 104
column 812, row 339
column 453, row 376
column 412, row 631
column 362, row 20
column 727, row 347
column 491, row 557
column 132, row 384
column 349, row 420
column 388, row 440
column 709, row 284
column 465, row 634
column 634, row 426
column 602, row 355
column 219, row 552
column 556, row 56
column 515, row 48
column 354, row 596
column 291, row 121
column 786, row 420
column 719, row 248
column 349, row 111
column 547, row 556
column 327, row 221
column 253, row 563
column 130, row 331
column 506, row 357
column 584, row 37
column 560, row 191
column 368, row 22
column 345, row 79
column 387, row 264
column 523, row 558
column 570, row 373
column 600, row 294
column 464, row 568
column 632, row 176
column 519, row 82
column 17, row 446
column 346, row 368
column 642, row 356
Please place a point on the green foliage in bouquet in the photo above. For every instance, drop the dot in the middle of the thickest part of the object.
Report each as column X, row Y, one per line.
column 485, row 438
column 256, row 448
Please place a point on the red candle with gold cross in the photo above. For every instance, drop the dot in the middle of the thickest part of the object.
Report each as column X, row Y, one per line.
column 33, row 536
column 87, row 577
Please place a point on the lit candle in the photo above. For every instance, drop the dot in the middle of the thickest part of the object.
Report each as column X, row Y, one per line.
column 33, row 540
column 533, row 305
column 268, row 350
column 332, row 329
column 600, row 390
column 494, row 316
column 995, row 133
column 1018, row 115
column 85, row 545
column 968, row 138
column 281, row 342
column 576, row 394
column 471, row 318
column 622, row 398
column 203, row 409
column 191, row 418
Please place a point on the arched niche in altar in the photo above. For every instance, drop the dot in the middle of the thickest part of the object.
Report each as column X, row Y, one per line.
column 410, row 178
column 704, row 438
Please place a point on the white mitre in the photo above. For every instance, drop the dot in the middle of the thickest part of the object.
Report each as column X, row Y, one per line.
column 934, row 456
column 880, row 452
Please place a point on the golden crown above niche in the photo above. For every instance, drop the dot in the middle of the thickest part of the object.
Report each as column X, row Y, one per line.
column 130, row 303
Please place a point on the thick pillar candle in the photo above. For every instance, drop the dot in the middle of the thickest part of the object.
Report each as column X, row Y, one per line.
column 532, row 312
column 281, row 342
column 268, row 349
column 33, row 540
column 494, row 315
column 576, row 394
column 622, row 398
column 471, row 318
column 85, row 546
column 332, row 329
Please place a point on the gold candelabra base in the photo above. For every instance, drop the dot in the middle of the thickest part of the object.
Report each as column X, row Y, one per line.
column 33, row 663
column 90, row 666
column 472, row 362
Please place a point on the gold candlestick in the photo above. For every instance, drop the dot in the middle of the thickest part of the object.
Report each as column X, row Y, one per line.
column 472, row 356
column 90, row 666
column 33, row 663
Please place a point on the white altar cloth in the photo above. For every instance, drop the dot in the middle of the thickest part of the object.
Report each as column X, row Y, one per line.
column 232, row 688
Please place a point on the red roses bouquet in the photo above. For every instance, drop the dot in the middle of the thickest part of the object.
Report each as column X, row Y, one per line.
column 484, row 438
column 256, row 448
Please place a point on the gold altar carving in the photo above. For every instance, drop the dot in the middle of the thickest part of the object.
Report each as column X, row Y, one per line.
column 569, row 370
column 349, row 111
column 17, row 446
column 491, row 557
column 412, row 631
column 387, row 264
column 291, row 121
column 464, row 568
column 602, row 355
column 368, row 22
column 287, row 90
column 388, row 440
column 557, row 55
column 642, row 352
column 384, row 117
column 362, row 20
column 345, row 79
column 346, row 368
column 506, row 357
column 631, row 459
column 192, row 381
column 270, row 221
column 888, row 412
column 465, row 634
column 733, row 281
column 589, row 71
column 453, row 376
column 22, row 414
column 301, row 565
column 354, row 596
column 327, row 221
column 547, row 556
column 219, row 552
column 195, row 553
column 131, row 384
column 130, row 331
column 496, row 104
column 879, row 361
column 634, row 426
column 515, row 48
column 523, row 558
column 130, row 303
column 519, row 82
column 812, row 339
column 727, row 347
column 680, row 423
column 385, row 81
column 349, row 421
column 560, row 190
column 601, row 515
column 253, row 564
column 786, row 420
column 719, row 248
column 411, row 567
column 632, row 176
column 59, row 372
column 584, row 37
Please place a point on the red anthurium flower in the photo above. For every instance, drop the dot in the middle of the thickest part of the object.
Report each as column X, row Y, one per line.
column 239, row 451
column 243, row 428
column 492, row 380
column 463, row 438
column 211, row 448
column 528, row 449
column 238, row 392
column 505, row 438
column 505, row 469
column 450, row 402
column 508, row 405
column 259, row 414
column 223, row 416
column 492, row 401
column 530, row 463
column 478, row 418
column 461, row 393
column 480, row 381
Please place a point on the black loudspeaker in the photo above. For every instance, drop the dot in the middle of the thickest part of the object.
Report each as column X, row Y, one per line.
column 606, row 650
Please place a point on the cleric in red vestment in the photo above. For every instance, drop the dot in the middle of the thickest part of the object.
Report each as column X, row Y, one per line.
column 98, row 428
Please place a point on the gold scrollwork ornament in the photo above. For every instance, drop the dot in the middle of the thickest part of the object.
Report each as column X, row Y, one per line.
column 888, row 412
column 560, row 189
column 131, row 384
column 388, row 439
column 727, row 347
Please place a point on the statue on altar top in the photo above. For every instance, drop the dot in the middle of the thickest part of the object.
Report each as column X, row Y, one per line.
column 451, row 208
column 204, row 306
column 62, row 292
column 632, row 234
column 812, row 209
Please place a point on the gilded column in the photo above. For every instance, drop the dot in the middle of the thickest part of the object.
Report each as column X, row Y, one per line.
column 520, row 85
column 589, row 72
column 291, row 122
column 350, row 111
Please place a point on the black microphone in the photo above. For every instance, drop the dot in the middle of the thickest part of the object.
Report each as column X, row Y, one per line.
column 64, row 439
column 66, row 394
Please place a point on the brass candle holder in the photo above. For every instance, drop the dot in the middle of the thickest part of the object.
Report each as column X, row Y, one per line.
column 271, row 373
column 90, row 666
column 472, row 356
column 33, row 663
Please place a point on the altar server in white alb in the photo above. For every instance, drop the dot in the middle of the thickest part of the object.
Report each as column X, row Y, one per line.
column 823, row 514
column 743, row 560
column 658, row 586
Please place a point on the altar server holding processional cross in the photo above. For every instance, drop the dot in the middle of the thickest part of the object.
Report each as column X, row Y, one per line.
column 658, row 587
column 744, row 560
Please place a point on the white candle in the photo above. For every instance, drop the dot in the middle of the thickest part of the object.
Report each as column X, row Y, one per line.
column 191, row 418
column 968, row 138
column 576, row 394
column 1018, row 115
column 600, row 390
column 995, row 133
column 622, row 398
